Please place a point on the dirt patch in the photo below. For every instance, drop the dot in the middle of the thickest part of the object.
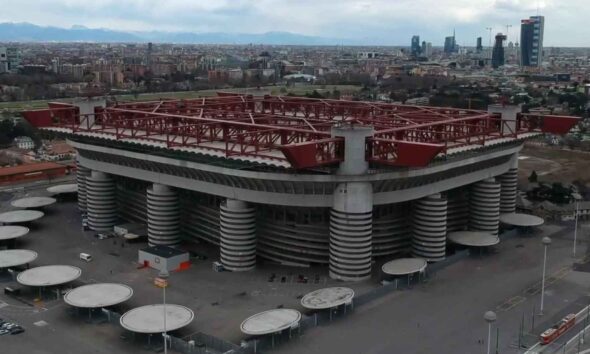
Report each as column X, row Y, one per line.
column 554, row 164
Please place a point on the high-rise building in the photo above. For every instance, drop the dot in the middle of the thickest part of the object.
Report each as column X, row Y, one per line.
column 3, row 60
column 148, row 59
column 450, row 44
column 498, row 51
column 479, row 46
column 55, row 65
column 415, row 49
column 531, row 41
column 428, row 51
column 9, row 59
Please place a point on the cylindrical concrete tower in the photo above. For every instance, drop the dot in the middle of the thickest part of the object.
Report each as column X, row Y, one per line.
column 509, row 188
column 237, row 235
column 101, row 201
column 351, row 225
column 81, row 174
column 429, row 228
column 484, row 203
column 351, row 217
column 163, row 216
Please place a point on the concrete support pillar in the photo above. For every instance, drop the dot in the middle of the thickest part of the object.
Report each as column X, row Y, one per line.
column 429, row 228
column 509, row 188
column 163, row 216
column 484, row 202
column 508, row 114
column 351, row 217
column 81, row 174
column 237, row 235
column 351, row 226
column 101, row 201
column 86, row 107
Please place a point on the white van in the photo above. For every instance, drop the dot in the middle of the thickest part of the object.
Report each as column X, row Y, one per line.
column 85, row 257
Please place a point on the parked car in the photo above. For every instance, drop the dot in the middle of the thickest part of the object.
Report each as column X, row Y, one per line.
column 103, row 235
column 85, row 257
column 3, row 332
column 17, row 330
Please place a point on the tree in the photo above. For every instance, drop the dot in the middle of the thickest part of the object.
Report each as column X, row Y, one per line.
column 533, row 177
column 336, row 94
column 314, row 94
column 6, row 127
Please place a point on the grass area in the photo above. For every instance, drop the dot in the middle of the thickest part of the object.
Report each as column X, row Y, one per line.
column 274, row 90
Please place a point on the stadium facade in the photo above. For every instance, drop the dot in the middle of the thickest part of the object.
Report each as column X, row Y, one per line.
column 294, row 180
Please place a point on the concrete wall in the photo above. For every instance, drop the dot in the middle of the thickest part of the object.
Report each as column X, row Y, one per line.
column 308, row 200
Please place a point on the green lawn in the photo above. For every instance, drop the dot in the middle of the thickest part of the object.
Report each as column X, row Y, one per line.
column 275, row 90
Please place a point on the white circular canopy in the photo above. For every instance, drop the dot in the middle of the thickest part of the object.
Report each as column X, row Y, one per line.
column 50, row 275
column 63, row 188
column 98, row 295
column 20, row 216
column 522, row 220
column 270, row 321
column 473, row 238
column 404, row 266
column 12, row 231
column 15, row 258
column 327, row 298
column 33, row 202
column 150, row 318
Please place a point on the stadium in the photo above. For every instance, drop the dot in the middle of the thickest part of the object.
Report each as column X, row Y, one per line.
column 297, row 181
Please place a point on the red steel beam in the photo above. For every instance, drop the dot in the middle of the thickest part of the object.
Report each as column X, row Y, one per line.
column 299, row 127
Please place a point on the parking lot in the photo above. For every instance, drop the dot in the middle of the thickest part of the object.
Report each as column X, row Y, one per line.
column 221, row 301
column 445, row 312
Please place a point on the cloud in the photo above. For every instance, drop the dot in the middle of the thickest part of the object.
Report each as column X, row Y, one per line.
column 379, row 21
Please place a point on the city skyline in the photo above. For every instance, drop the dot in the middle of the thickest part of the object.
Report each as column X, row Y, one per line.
column 368, row 22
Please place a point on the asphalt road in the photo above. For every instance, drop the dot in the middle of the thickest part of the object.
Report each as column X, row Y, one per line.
column 446, row 314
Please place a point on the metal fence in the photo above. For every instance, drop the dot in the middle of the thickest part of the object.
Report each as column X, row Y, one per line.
column 196, row 343
column 202, row 343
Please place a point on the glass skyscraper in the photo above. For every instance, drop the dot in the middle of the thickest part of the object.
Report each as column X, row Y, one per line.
column 531, row 41
column 415, row 46
column 498, row 52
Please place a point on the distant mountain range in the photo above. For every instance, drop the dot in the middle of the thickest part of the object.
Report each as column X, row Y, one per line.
column 27, row 32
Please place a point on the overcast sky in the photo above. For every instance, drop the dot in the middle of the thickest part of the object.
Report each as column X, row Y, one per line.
column 390, row 22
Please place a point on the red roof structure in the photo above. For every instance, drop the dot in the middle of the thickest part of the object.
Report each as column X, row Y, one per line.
column 30, row 168
column 298, row 130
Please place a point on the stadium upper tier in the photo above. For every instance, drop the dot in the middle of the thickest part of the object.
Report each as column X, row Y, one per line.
column 294, row 132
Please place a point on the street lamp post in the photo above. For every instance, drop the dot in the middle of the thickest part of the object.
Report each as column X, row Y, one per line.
column 490, row 317
column 577, row 197
column 546, row 242
column 576, row 227
column 164, row 275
